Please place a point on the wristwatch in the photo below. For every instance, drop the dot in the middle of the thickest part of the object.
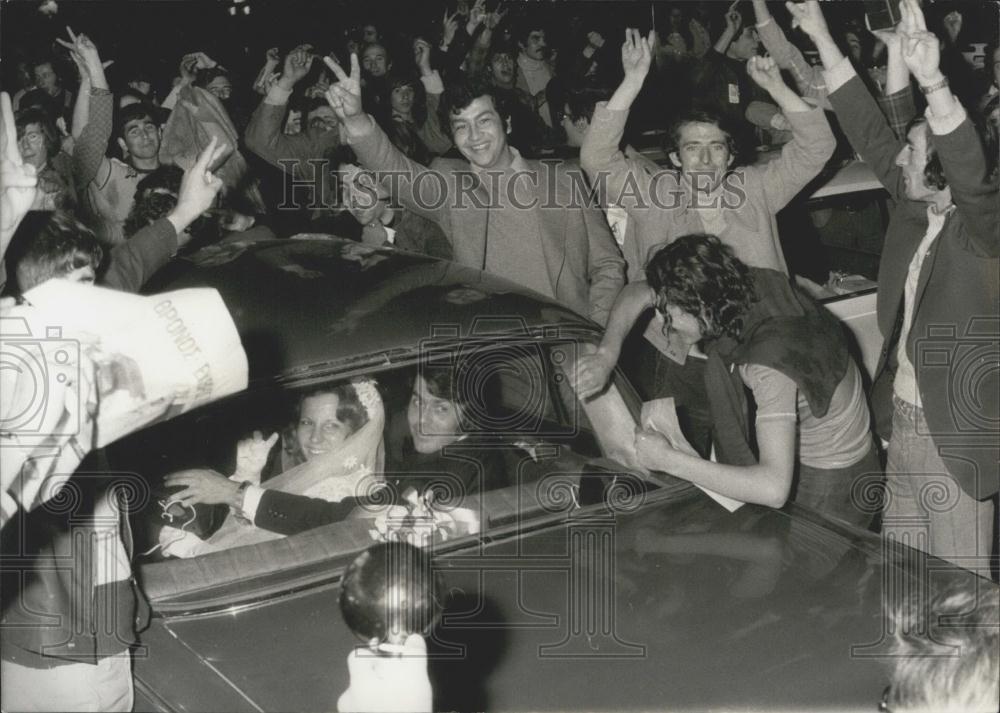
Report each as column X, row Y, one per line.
column 240, row 495
column 934, row 87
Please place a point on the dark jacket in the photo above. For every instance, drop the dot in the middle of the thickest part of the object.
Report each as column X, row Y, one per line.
column 785, row 330
column 132, row 263
column 302, row 155
column 952, row 342
column 458, row 470
column 68, row 591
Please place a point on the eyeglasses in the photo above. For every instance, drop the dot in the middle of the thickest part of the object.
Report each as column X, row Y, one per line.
column 32, row 137
column 322, row 122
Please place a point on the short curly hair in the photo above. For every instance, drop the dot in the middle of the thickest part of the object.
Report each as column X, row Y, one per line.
column 699, row 275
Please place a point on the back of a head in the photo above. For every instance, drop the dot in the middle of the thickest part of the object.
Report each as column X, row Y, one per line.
column 389, row 592
column 947, row 651
column 37, row 98
column 703, row 277
column 582, row 100
column 56, row 244
column 155, row 196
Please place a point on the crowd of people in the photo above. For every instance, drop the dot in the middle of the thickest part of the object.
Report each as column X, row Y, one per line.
column 491, row 138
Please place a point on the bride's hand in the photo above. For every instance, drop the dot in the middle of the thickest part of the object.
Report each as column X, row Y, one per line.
column 251, row 456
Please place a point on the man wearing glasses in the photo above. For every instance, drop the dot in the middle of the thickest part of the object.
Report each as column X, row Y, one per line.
column 300, row 155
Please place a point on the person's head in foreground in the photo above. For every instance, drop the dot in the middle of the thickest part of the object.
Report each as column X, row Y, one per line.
column 390, row 592
column 702, row 290
column 60, row 246
column 946, row 652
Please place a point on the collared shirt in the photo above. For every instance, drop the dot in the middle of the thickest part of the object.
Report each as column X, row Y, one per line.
column 905, row 384
column 513, row 237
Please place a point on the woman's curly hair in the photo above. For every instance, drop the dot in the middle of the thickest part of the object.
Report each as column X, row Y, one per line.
column 701, row 276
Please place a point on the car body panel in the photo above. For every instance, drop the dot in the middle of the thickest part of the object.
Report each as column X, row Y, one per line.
column 672, row 603
column 302, row 303
column 678, row 605
column 858, row 313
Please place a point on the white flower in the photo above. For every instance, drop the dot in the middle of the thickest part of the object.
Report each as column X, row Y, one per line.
column 367, row 393
column 351, row 463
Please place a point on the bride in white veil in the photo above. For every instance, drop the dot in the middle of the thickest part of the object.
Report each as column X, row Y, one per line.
column 351, row 468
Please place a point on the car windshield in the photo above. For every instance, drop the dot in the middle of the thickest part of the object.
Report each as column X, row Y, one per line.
column 444, row 448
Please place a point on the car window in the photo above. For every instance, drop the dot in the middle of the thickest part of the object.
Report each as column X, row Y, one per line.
column 524, row 437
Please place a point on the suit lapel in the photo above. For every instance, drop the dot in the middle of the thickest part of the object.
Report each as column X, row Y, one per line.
column 551, row 223
column 469, row 223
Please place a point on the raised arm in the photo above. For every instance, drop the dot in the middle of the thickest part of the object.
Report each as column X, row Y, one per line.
column 859, row 114
column 436, row 140
column 808, row 78
column 95, row 121
column 376, row 153
column 812, row 141
column 264, row 135
column 606, row 166
column 263, row 81
column 896, row 101
column 955, row 139
column 133, row 262
column 18, row 182
column 734, row 21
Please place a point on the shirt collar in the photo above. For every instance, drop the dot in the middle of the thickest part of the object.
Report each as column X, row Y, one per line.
column 934, row 214
column 517, row 164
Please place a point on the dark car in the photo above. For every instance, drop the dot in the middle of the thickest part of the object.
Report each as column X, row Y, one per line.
column 585, row 583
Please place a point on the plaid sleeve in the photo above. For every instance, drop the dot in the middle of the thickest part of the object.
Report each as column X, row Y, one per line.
column 899, row 108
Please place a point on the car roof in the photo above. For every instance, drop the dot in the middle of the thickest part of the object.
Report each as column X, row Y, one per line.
column 318, row 302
